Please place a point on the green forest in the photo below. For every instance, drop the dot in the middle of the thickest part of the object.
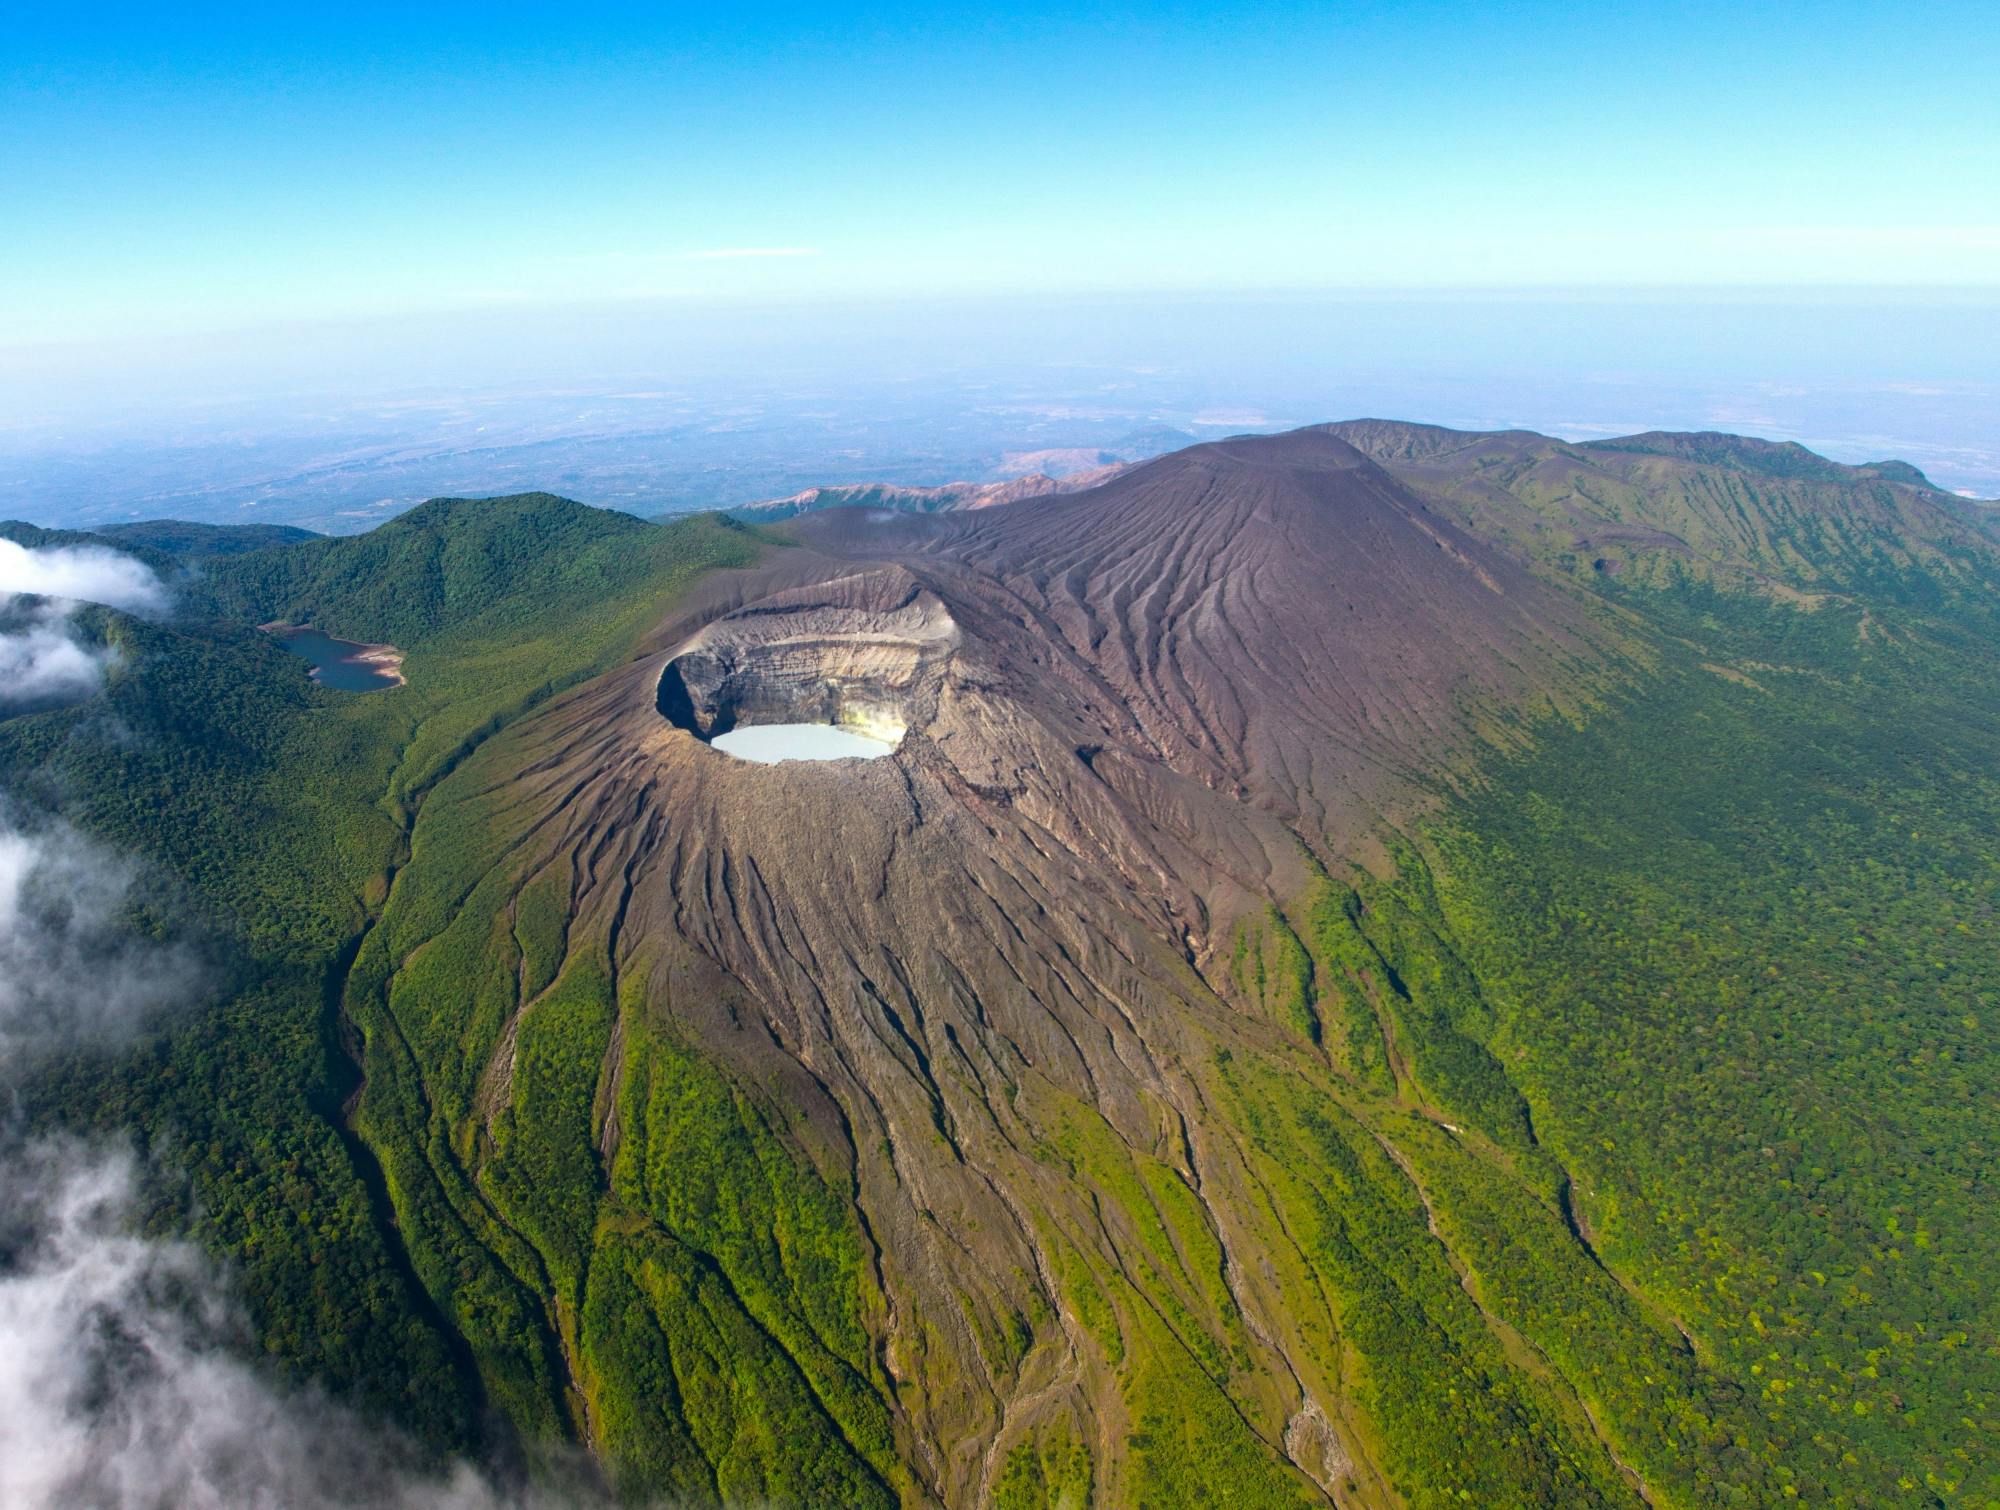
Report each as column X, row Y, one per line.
column 1737, row 941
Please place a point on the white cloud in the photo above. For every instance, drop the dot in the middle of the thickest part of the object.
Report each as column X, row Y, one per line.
column 89, row 574
column 121, row 1386
column 71, row 970
column 42, row 661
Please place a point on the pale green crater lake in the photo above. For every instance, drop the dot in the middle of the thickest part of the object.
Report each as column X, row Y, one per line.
column 771, row 743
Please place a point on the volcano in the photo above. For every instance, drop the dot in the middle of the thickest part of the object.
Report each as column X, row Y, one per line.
column 1131, row 721
column 1344, row 979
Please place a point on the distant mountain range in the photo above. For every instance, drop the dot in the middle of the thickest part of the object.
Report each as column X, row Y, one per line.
column 948, row 497
column 1029, row 474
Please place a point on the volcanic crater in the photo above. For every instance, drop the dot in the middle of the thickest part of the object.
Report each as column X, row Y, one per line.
column 865, row 652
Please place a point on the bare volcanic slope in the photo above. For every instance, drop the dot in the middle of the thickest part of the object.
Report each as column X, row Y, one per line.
column 1278, row 619
column 946, row 1108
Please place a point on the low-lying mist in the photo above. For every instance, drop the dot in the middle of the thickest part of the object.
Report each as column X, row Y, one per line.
column 43, row 660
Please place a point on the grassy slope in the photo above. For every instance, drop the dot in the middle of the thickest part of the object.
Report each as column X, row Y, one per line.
column 694, row 1304
column 1752, row 515
column 161, row 542
column 1689, row 1075
column 188, row 541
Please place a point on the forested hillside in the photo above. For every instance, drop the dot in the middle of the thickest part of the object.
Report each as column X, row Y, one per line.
column 1736, row 941
column 281, row 812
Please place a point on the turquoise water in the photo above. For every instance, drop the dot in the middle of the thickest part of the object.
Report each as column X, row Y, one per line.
column 771, row 743
column 333, row 661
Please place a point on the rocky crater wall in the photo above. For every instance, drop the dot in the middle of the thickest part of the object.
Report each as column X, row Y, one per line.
column 867, row 652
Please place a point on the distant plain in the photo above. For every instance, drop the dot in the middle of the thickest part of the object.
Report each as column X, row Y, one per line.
column 658, row 410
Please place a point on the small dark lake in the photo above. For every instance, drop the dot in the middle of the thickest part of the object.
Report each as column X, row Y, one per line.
column 344, row 665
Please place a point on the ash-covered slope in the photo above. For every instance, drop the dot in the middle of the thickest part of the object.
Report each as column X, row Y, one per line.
column 1258, row 630
column 986, row 1000
column 1278, row 618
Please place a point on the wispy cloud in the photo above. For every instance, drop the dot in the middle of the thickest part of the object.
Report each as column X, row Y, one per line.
column 127, row 1372
column 90, row 574
column 122, row 1384
column 71, row 969
column 42, row 659
column 42, row 662
column 732, row 253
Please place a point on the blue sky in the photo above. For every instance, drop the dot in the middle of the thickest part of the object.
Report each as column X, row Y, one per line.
column 195, row 168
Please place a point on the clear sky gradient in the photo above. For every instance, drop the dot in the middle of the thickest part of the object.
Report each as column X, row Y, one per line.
column 169, row 168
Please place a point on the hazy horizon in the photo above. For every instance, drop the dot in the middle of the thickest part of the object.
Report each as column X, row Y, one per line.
column 316, row 267
column 663, row 408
